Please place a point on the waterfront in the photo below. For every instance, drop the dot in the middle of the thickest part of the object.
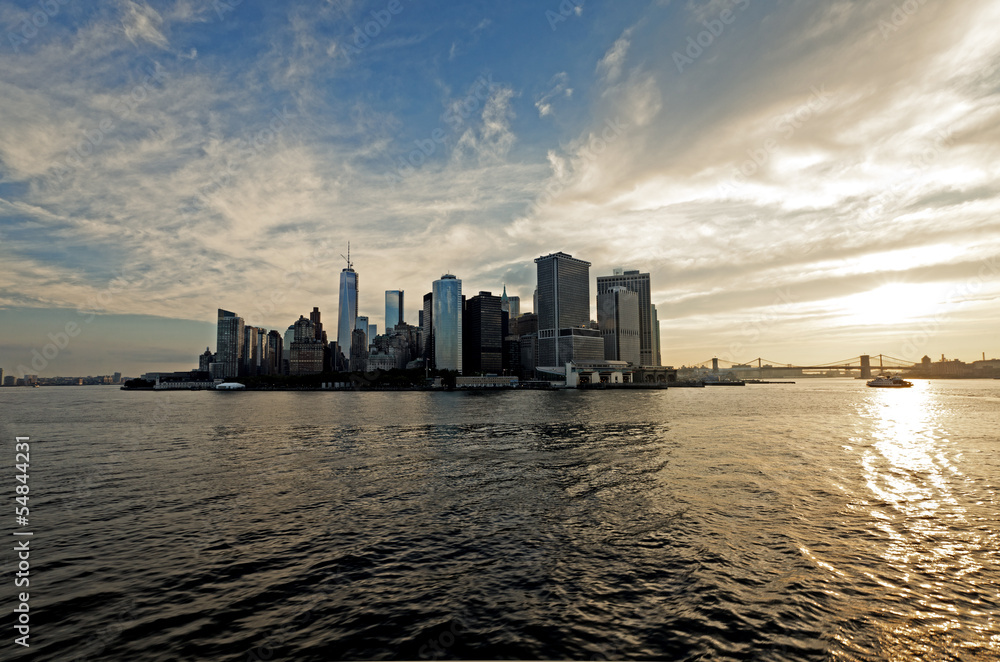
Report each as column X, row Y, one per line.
column 821, row 520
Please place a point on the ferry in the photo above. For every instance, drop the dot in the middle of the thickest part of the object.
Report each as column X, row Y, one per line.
column 883, row 381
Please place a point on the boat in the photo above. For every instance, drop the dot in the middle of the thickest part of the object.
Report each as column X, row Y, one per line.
column 884, row 381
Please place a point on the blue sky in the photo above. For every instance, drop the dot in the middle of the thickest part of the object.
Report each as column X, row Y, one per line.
column 804, row 181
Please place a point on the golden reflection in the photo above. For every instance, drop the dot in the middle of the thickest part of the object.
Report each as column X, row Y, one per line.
column 928, row 547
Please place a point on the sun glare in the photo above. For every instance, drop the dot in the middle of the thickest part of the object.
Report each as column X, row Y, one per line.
column 893, row 302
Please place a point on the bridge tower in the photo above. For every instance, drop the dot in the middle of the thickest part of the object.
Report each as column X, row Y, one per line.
column 715, row 366
column 866, row 366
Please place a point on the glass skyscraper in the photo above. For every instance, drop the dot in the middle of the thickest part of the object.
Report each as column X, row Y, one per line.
column 446, row 321
column 229, row 343
column 393, row 309
column 347, row 314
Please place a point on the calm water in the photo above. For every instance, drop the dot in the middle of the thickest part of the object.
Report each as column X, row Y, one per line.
column 821, row 520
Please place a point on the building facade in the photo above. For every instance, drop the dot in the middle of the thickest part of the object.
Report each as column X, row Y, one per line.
column 638, row 283
column 347, row 314
column 482, row 335
column 446, row 317
column 229, row 343
column 563, row 305
column 618, row 320
column 393, row 309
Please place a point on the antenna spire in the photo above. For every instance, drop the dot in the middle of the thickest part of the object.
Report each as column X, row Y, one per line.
column 348, row 257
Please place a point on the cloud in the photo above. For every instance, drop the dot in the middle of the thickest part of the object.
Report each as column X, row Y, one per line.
column 142, row 22
column 558, row 87
column 235, row 178
column 610, row 66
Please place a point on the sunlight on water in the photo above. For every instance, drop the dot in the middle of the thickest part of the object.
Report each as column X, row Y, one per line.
column 911, row 469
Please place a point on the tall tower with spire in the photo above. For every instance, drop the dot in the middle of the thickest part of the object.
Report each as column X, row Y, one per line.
column 347, row 315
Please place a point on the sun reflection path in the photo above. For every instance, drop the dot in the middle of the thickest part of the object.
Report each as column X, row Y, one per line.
column 933, row 555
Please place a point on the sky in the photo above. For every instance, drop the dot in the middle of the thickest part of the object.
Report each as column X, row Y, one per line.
column 804, row 181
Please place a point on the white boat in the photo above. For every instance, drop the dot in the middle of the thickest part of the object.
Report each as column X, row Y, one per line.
column 884, row 381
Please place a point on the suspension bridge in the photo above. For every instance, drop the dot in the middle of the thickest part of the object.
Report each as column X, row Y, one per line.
column 863, row 363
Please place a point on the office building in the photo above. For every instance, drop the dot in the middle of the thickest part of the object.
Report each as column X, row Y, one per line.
column 482, row 335
column 372, row 332
column 306, row 355
column 205, row 360
column 446, row 318
column 618, row 318
column 275, row 353
column 315, row 318
column 359, row 350
column 564, row 311
column 286, row 350
column 229, row 344
column 393, row 309
column 427, row 320
column 348, row 313
column 251, row 352
column 510, row 305
column 657, row 358
column 638, row 283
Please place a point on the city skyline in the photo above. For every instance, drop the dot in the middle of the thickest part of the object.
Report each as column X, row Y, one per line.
column 160, row 160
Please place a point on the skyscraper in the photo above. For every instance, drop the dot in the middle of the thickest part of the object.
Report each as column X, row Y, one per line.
column 361, row 323
column 482, row 335
column 286, row 350
column 512, row 305
column 618, row 317
column 638, row 283
column 314, row 317
column 306, row 352
column 372, row 332
column 348, row 312
column 428, row 326
column 229, row 343
column 656, row 337
column 393, row 309
column 564, row 311
column 447, row 322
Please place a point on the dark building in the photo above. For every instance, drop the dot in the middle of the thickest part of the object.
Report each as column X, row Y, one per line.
column 359, row 350
column 229, row 344
column 482, row 335
column 307, row 353
column 204, row 361
column 427, row 321
column 317, row 323
column 564, row 304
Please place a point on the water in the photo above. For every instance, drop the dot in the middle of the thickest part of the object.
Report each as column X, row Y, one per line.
column 821, row 521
